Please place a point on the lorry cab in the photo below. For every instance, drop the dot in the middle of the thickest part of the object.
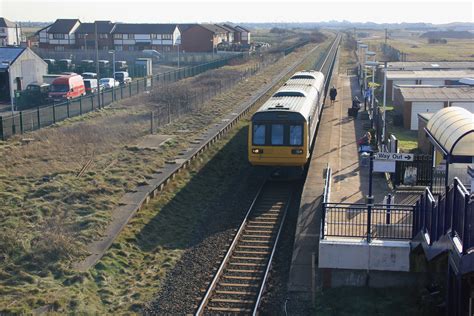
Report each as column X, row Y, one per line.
column 67, row 87
column 91, row 85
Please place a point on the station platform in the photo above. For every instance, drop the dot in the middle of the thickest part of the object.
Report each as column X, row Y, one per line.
column 336, row 145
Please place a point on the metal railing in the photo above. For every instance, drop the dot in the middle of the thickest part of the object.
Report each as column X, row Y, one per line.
column 451, row 213
column 30, row 120
column 385, row 221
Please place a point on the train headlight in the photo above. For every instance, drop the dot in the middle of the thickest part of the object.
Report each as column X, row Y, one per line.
column 257, row 151
column 297, row 151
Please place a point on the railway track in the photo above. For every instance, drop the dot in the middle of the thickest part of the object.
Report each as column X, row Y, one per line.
column 239, row 282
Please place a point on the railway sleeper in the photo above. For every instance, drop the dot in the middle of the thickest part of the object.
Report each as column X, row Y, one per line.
column 252, row 252
column 243, row 271
column 229, row 309
column 247, row 264
column 252, row 247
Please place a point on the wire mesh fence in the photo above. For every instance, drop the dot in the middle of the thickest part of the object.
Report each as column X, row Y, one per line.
column 33, row 119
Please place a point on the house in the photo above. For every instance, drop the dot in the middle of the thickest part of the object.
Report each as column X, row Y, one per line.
column 412, row 100
column 203, row 37
column 60, row 35
column 19, row 67
column 244, row 34
column 424, row 77
column 230, row 33
column 85, row 35
column 140, row 36
column 237, row 33
column 10, row 34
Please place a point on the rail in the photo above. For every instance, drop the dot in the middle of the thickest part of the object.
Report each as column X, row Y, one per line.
column 253, row 246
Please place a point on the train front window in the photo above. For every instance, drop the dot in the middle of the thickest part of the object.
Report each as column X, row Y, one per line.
column 296, row 135
column 258, row 134
column 277, row 134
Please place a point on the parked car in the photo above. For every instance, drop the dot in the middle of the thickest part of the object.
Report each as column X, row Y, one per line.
column 153, row 53
column 92, row 86
column 89, row 75
column 122, row 77
column 109, row 83
column 66, row 88
column 35, row 94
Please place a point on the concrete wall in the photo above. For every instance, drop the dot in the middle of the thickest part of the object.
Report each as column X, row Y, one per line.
column 423, row 143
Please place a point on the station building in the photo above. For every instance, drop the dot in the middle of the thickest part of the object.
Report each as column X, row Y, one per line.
column 416, row 99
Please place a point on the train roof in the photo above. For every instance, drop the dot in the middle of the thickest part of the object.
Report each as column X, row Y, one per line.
column 300, row 82
column 307, row 90
column 301, row 105
column 308, row 74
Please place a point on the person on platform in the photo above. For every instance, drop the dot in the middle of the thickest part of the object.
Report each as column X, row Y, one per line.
column 333, row 94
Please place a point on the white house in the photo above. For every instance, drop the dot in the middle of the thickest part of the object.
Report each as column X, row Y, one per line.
column 10, row 34
column 19, row 67
column 60, row 35
column 140, row 36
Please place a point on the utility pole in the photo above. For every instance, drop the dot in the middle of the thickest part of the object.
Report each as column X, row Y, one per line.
column 386, row 36
column 384, row 99
column 17, row 38
column 97, row 61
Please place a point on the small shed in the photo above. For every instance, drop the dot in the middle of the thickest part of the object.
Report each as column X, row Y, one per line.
column 451, row 131
column 19, row 67
column 412, row 100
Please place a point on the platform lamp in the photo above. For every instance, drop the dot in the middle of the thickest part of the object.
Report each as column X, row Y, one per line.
column 112, row 52
column 373, row 65
column 385, row 61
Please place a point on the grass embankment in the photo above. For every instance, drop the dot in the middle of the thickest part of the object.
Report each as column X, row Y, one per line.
column 48, row 213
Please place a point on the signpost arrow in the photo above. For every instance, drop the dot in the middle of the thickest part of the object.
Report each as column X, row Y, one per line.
column 394, row 156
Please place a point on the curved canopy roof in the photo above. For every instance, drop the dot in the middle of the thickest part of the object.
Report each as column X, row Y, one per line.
column 453, row 129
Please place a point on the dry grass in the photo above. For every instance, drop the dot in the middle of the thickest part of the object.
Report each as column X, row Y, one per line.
column 39, row 181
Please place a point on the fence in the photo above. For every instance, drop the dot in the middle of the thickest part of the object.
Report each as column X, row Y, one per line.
column 421, row 169
column 380, row 221
column 30, row 120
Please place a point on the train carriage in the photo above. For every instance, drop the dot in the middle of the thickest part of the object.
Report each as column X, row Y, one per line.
column 282, row 130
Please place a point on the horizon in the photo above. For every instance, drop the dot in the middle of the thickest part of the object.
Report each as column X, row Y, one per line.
column 262, row 11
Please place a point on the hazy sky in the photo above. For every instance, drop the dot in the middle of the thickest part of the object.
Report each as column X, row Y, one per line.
column 159, row 11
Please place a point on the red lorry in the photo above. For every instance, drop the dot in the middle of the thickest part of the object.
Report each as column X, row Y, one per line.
column 67, row 87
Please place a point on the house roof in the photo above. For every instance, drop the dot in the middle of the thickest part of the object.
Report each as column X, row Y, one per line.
column 185, row 26
column 102, row 27
column 63, row 26
column 227, row 28
column 429, row 74
column 213, row 28
column 231, row 27
column 433, row 93
column 6, row 23
column 429, row 65
column 242, row 28
column 452, row 128
column 8, row 55
column 144, row 28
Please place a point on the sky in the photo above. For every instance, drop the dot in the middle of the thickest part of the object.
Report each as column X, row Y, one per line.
column 180, row 11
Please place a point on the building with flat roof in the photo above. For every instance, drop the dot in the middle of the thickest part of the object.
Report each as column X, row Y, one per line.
column 412, row 100
column 424, row 77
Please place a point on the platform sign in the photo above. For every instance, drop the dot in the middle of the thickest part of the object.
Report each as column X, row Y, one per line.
column 384, row 166
column 393, row 156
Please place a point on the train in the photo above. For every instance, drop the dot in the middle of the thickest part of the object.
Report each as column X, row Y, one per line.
column 282, row 130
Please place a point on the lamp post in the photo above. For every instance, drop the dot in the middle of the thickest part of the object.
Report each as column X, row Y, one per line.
column 373, row 65
column 113, row 72
column 85, row 41
column 384, row 98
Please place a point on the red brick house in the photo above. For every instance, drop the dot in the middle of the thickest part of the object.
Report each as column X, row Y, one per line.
column 85, row 35
column 60, row 35
column 203, row 37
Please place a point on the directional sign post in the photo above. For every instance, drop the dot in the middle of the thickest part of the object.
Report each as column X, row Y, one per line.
column 394, row 156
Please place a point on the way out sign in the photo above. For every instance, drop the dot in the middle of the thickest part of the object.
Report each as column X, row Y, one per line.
column 393, row 156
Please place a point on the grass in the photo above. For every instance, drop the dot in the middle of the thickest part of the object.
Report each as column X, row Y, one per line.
column 363, row 301
column 41, row 192
column 418, row 49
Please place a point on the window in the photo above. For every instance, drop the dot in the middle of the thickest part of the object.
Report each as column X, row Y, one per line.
column 59, row 48
column 58, row 36
column 289, row 94
column 155, row 36
column 118, row 36
column 258, row 134
column 167, row 36
column 102, row 35
column 277, row 134
column 296, row 135
column 80, row 35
